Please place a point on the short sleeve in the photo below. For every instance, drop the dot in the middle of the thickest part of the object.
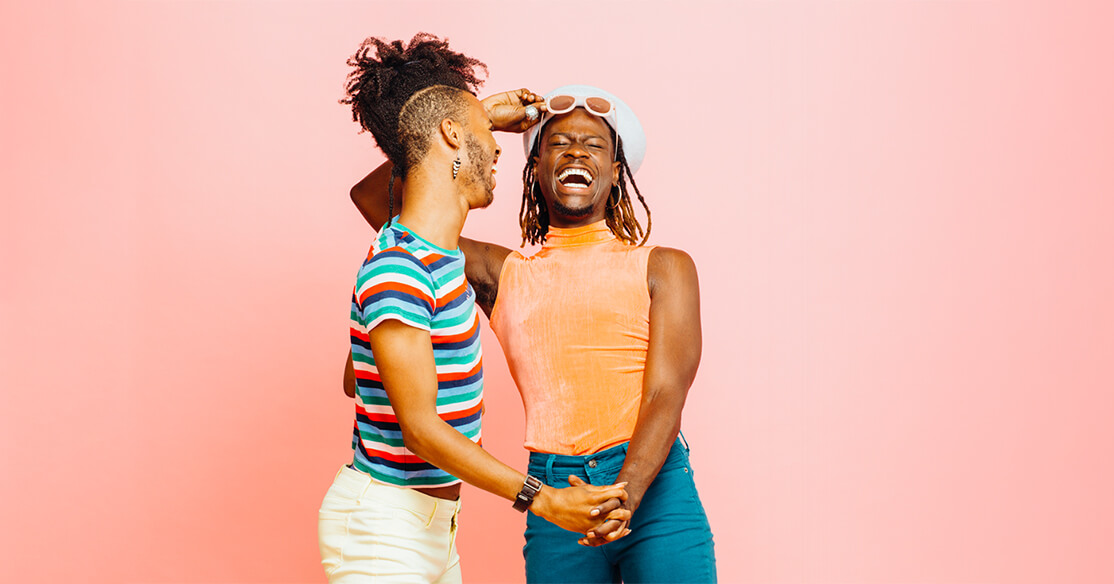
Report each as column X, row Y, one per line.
column 395, row 285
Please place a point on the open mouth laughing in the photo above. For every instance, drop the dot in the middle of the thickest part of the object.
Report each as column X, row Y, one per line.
column 575, row 178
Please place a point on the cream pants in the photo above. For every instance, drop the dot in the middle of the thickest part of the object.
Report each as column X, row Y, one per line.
column 373, row 532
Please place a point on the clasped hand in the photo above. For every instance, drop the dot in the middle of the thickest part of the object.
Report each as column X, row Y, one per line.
column 580, row 508
column 507, row 110
column 616, row 515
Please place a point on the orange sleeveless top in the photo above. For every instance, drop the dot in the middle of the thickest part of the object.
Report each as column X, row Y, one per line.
column 574, row 323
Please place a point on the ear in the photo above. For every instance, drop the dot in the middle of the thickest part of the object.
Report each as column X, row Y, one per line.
column 452, row 132
column 616, row 170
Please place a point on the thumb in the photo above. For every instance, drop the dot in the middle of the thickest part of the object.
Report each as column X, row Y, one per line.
column 575, row 481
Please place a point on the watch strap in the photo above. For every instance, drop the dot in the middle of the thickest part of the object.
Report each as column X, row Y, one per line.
column 530, row 487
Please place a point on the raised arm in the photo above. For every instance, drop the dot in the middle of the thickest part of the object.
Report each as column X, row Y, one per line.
column 671, row 363
column 370, row 195
column 404, row 358
column 507, row 111
column 483, row 260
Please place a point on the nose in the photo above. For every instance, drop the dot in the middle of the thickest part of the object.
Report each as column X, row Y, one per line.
column 577, row 150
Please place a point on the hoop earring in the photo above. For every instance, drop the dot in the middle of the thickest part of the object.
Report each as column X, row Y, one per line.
column 456, row 165
column 618, row 199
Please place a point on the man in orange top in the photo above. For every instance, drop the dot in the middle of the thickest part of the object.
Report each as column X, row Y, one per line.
column 602, row 335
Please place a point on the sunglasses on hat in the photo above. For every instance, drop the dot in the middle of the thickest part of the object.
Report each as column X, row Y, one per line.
column 563, row 104
column 597, row 106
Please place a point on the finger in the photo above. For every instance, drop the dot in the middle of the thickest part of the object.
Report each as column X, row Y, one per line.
column 606, row 529
column 576, row 481
column 617, row 487
column 618, row 533
column 528, row 97
column 619, row 514
column 607, row 507
column 598, row 499
column 604, row 493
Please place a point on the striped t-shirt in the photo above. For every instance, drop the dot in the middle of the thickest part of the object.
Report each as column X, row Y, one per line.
column 409, row 279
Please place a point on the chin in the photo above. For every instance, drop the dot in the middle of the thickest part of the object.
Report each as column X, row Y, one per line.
column 561, row 210
column 485, row 200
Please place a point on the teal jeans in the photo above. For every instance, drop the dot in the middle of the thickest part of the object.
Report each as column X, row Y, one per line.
column 670, row 539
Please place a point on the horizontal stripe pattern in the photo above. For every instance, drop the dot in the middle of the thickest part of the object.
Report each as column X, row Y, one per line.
column 408, row 279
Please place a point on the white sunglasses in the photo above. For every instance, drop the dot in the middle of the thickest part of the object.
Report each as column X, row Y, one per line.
column 563, row 104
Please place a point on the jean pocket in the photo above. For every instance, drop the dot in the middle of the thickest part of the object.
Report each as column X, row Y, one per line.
column 332, row 534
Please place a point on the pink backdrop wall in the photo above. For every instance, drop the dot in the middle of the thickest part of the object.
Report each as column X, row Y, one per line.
column 901, row 213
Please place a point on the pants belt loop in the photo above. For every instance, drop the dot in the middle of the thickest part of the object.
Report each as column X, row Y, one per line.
column 683, row 441
column 549, row 469
column 433, row 513
column 367, row 485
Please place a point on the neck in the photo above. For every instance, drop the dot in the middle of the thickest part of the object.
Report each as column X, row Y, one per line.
column 569, row 222
column 435, row 208
column 591, row 233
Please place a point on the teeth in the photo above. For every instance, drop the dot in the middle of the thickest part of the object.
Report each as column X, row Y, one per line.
column 575, row 171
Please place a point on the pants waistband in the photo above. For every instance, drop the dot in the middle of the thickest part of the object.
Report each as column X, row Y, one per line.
column 543, row 464
column 360, row 485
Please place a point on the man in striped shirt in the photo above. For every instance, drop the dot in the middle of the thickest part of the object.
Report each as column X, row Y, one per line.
column 416, row 351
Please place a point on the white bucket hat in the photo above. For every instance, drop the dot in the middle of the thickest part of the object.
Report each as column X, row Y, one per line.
column 622, row 120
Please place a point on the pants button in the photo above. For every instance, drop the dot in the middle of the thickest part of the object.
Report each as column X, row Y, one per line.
column 592, row 463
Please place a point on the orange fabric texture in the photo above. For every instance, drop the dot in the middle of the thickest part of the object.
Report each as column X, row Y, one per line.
column 574, row 323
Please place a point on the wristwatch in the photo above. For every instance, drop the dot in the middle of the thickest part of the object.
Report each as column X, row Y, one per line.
column 525, row 497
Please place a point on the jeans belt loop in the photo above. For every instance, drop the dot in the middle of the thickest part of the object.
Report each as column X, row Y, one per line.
column 684, row 442
column 549, row 469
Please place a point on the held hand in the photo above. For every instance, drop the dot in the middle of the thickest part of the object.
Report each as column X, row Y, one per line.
column 615, row 518
column 507, row 110
column 615, row 525
column 571, row 508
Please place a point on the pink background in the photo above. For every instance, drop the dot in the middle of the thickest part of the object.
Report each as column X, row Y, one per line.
column 901, row 212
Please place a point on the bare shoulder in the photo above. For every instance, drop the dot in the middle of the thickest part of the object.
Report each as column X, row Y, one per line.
column 482, row 266
column 670, row 267
column 486, row 258
column 670, row 257
column 484, row 251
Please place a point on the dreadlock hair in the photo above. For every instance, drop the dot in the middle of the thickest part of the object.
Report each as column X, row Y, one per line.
column 401, row 93
column 533, row 215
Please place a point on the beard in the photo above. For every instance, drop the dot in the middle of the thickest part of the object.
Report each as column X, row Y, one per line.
column 566, row 211
column 477, row 172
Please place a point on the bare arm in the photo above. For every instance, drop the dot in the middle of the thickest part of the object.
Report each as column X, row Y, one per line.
column 404, row 357
column 370, row 195
column 483, row 261
column 349, row 376
column 671, row 363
